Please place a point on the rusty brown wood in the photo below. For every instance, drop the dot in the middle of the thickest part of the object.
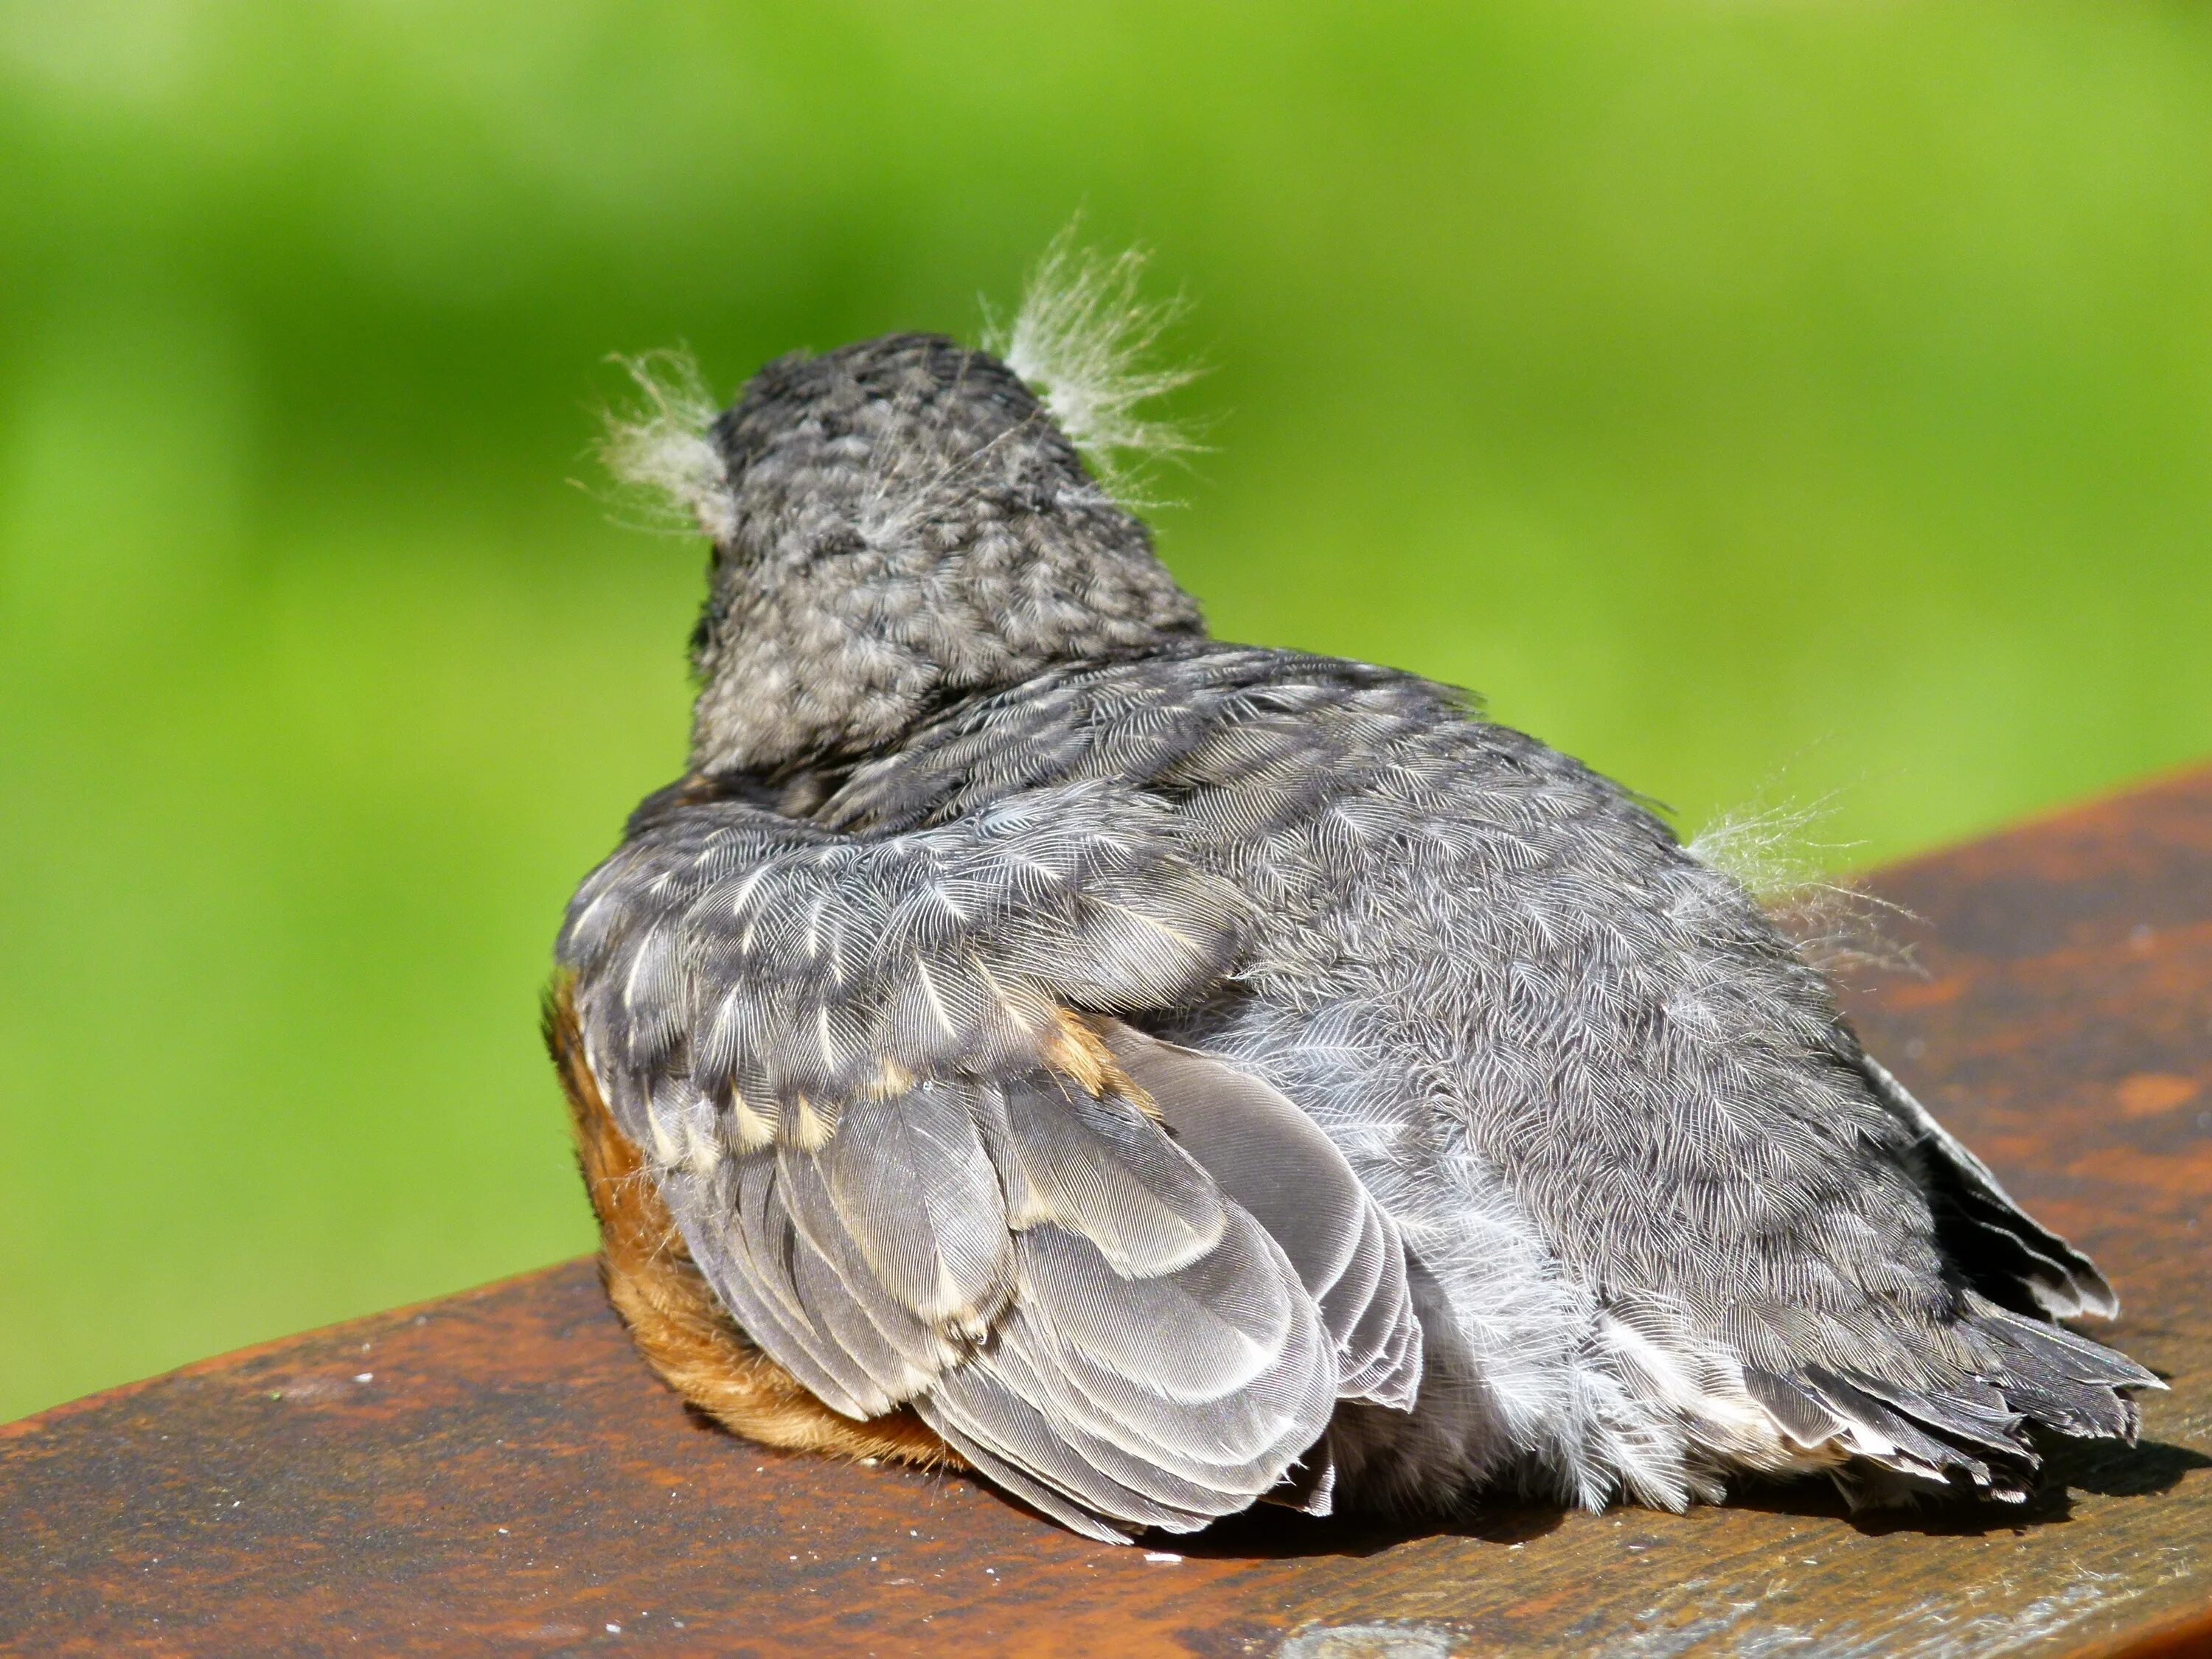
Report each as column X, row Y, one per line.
column 496, row 1472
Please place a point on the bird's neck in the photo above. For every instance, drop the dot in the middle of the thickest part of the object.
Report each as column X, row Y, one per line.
column 833, row 660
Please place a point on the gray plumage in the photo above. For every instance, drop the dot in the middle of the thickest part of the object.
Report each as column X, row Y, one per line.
column 1458, row 1130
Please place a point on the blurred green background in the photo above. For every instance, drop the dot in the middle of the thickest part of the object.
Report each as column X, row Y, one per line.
column 1761, row 399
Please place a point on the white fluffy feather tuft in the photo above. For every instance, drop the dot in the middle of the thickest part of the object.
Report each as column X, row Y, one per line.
column 1769, row 850
column 660, row 447
column 1080, row 339
column 1766, row 847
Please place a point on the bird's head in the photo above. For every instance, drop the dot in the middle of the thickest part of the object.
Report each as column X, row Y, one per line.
column 895, row 525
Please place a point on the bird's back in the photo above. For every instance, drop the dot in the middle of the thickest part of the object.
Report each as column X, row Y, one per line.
column 1637, row 1152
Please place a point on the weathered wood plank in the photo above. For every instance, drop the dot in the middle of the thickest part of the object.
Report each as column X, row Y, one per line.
column 497, row 1470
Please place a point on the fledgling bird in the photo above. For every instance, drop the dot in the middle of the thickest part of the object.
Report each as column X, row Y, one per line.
column 1162, row 1075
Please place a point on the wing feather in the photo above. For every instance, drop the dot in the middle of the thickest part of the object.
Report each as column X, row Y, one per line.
column 1145, row 1385
column 1228, row 1441
column 1098, row 1169
column 1275, row 1162
column 1123, row 1278
column 1009, row 1440
column 918, row 1195
column 2000, row 1239
column 745, row 1251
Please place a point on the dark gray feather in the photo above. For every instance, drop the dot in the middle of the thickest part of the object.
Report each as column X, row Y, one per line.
column 2063, row 1282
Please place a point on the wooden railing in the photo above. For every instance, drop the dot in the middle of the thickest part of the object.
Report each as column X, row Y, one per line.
column 497, row 1472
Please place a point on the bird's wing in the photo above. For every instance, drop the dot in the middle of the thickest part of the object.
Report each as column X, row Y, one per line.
column 878, row 1084
column 1269, row 1157
column 2005, row 1251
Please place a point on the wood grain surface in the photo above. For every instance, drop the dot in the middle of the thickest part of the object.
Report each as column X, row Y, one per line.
column 496, row 1472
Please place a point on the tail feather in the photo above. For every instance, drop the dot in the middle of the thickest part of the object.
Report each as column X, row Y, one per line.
column 1909, row 1448
column 2052, row 1350
column 1970, row 1412
column 1971, row 1435
column 1798, row 1411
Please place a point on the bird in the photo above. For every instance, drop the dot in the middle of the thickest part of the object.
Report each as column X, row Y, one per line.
column 1162, row 1076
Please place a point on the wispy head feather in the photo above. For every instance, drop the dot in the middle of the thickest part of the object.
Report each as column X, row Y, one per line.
column 1769, row 850
column 1080, row 338
column 661, row 450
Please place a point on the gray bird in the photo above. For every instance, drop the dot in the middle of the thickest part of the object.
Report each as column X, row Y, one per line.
column 1162, row 1075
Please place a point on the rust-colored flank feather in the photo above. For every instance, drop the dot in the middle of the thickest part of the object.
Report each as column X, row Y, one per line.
column 672, row 1314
